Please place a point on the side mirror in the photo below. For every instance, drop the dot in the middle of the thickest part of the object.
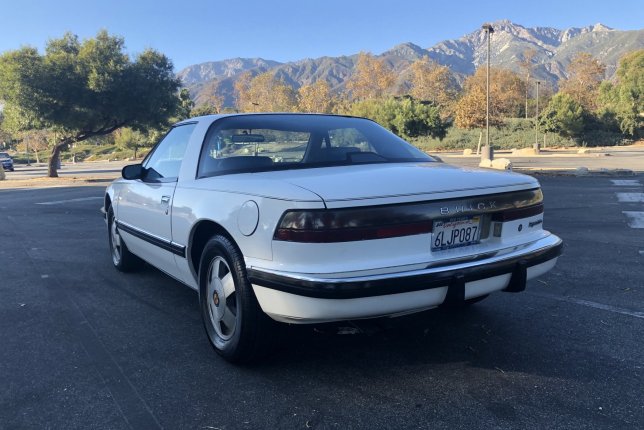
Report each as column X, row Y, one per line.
column 133, row 171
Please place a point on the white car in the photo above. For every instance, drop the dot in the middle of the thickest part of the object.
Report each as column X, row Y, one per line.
column 302, row 218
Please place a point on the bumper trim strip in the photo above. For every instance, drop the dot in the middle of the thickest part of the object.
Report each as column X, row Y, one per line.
column 387, row 284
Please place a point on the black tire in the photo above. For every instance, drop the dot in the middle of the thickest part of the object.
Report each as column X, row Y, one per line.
column 122, row 258
column 464, row 304
column 236, row 326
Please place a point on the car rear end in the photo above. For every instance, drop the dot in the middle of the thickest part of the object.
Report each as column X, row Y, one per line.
column 372, row 257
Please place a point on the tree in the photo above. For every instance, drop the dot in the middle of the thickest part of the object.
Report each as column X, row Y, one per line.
column 623, row 100
column 35, row 140
column 405, row 116
column 205, row 109
column 585, row 73
column 264, row 93
column 127, row 138
column 470, row 110
column 506, row 98
column 432, row 82
column 315, row 97
column 186, row 105
column 87, row 89
column 563, row 115
column 371, row 79
column 526, row 64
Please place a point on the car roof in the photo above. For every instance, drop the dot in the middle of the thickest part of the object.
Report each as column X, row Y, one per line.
column 215, row 117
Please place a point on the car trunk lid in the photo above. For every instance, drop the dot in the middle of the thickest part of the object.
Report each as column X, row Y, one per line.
column 376, row 184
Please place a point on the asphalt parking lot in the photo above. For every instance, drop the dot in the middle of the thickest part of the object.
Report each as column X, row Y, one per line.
column 84, row 346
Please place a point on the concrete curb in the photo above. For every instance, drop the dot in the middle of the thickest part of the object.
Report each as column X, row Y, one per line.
column 576, row 172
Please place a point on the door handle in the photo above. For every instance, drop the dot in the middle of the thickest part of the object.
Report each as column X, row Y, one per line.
column 165, row 199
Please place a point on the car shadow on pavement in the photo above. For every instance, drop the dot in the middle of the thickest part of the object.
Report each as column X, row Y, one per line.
column 479, row 336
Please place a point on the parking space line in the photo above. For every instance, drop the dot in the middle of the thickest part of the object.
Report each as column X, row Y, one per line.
column 635, row 219
column 60, row 202
column 626, row 182
column 630, row 197
column 595, row 305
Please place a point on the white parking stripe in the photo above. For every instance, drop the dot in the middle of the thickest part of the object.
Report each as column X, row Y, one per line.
column 635, row 218
column 61, row 202
column 630, row 197
column 626, row 182
column 595, row 305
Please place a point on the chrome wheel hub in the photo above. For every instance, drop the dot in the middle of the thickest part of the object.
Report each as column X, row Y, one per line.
column 222, row 300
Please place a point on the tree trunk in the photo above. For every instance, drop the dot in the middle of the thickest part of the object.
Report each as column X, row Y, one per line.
column 54, row 160
column 37, row 157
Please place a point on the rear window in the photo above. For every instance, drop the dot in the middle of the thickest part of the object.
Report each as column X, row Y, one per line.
column 263, row 142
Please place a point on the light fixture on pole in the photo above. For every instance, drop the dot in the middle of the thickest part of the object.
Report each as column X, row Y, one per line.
column 536, row 122
column 487, row 150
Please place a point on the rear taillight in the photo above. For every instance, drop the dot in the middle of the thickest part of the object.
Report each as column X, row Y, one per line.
column 348, row 225
column 514, row 214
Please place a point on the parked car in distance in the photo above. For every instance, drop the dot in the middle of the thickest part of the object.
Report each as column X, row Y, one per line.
column 6, row 161
column 309, row 218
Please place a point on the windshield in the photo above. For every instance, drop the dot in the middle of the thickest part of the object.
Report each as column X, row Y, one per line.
column 4, row 155
column 262, row 142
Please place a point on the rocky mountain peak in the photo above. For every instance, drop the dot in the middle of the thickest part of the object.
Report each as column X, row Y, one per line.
column 553, row 50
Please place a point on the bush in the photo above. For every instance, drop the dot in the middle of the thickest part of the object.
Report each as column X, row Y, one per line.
column 514, row 133
column 404, row 116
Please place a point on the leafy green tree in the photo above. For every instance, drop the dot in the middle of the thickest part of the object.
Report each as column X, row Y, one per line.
column 205, row 109
column 185, row 105
column 405, row 116
column 563, row 115
column 128, row 138
column 623, row 100
column 86, row 89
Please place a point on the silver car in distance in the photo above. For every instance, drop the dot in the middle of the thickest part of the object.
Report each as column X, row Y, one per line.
column 299, row 218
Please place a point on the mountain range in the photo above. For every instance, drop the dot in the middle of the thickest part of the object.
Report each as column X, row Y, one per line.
column 553, row 49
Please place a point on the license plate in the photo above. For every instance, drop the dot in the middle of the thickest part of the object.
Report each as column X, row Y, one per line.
column 455, row 232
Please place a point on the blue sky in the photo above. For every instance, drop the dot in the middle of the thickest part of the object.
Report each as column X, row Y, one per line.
column 191, row 32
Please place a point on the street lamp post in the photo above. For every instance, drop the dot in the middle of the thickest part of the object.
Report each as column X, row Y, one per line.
column 536, row 122
column 487, row 150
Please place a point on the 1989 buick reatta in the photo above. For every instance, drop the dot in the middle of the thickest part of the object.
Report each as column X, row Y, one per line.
column 302, row 218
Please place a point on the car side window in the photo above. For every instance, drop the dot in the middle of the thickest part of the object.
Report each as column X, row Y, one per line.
column 165, row 161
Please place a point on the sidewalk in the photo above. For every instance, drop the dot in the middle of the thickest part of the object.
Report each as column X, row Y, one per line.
column 597, row 160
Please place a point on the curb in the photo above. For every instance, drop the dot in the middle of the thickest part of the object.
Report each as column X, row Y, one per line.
column 576, row 173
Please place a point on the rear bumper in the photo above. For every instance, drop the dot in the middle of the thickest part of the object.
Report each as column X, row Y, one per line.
column 309, row 298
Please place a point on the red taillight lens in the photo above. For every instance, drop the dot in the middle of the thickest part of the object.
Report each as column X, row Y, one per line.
column 514, row 214
column 348, row 225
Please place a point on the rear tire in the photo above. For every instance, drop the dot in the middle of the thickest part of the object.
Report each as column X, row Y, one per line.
column 236, row 326
column 122, row 258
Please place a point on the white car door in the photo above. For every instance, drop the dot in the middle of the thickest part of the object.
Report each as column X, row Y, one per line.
column 144, row 208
